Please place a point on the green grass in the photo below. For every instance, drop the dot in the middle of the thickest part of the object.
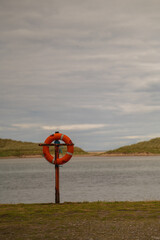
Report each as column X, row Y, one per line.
column 146, row 147
column 10, row 147
column 75, row 221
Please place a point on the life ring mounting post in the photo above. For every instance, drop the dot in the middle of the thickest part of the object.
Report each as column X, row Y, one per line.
column 57, row 161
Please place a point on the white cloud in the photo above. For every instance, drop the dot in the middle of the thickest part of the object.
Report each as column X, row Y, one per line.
column 141, row 137
column 25, row 125
column 138, row 108
column 77, row 127
column 129, row 137
column 74, row 127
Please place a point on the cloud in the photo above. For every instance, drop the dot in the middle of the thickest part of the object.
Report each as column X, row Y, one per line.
column 25, row 125
column 74, row 127
column 140, row 137
column 139, row 108
column 65, row 64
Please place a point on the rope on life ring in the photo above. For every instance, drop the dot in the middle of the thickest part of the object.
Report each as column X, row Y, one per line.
column 66, row 157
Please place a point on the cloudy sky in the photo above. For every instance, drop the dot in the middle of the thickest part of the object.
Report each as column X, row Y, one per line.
column 88, row 68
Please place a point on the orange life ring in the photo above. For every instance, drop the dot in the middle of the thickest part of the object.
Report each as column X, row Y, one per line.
column 70, row 148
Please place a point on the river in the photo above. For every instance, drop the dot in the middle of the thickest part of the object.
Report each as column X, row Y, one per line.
column 31, row 180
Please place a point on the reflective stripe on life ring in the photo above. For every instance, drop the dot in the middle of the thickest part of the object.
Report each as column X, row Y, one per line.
column 66, row 157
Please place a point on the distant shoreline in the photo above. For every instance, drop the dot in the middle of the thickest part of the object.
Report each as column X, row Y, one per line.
column 128, row 154
column 90, row 154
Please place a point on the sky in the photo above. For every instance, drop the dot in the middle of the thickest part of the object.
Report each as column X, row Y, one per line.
column 87, row 68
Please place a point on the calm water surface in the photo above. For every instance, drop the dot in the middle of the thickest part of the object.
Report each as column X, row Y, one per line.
column 81, row 179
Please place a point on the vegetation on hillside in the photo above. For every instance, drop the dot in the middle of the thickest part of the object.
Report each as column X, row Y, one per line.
column 10, row 147
column 147, row 147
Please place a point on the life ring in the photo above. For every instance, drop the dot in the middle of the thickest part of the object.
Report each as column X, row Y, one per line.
column 66, row 157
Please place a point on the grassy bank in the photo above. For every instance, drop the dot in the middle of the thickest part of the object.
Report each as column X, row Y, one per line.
column 147, row 147
column 81, row 221
column 10, row 147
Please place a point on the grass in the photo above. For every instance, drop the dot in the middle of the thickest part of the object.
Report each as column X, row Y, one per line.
column 10, row 147
column 146, row 147
column 77, row 221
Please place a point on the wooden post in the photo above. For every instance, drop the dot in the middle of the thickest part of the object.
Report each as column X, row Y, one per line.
column 57, row 194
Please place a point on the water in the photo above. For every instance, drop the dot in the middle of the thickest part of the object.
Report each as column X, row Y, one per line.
column 81, row 179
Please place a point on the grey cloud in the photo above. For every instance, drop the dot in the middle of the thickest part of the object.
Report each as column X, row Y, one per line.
column 80, row 62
